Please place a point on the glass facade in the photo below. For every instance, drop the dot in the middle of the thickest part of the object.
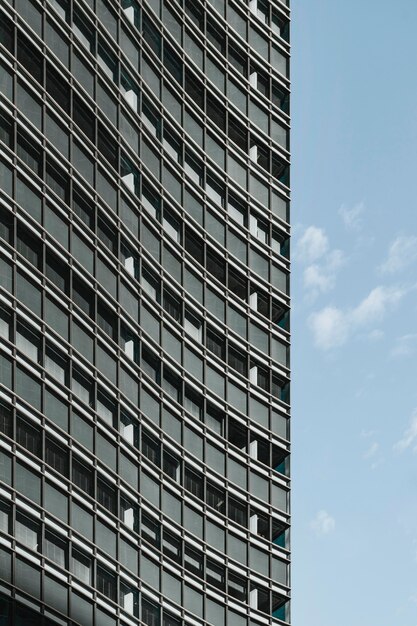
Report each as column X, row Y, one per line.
column 144, row 312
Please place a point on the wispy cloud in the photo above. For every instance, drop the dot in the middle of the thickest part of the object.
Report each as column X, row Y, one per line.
column 333, row 326
column 401, row 253
column 410, row 435
column 330, row 328
column 322, row 263
column 371, row 451
column 312, row 245
column 365, row 434
column 405, row 345
column 352, row 215
column 323, row 523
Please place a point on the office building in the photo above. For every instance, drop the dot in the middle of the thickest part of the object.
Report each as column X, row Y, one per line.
column 144, row 272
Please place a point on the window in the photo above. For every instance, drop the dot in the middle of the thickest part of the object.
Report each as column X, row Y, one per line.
column 193, row 561
column 194, row 245
column 150, row 530
column 194, row 483
column 58, row 182
column 215, row 498
column 30, row 58
column 28, row 246
column 215, row 344
column 193, row 326
column 27, row 532
column 237, row 512
column 83, row 209
column 106, row 495
column 129, row 599
column 6, row 420
column 171, row 226
column 237, row 284
column 172, row 386
column 4, row 517
column 238, row 361
column 215, row 574
column 172, row 305
column 106, row 408
column 150, row 365
column 173, row 63
column 55, row 549
column 6, row 130
column 129, row 429
column 106, row 583
column 172, row 466
column 214, row 419
column 192, row 404
column 106, row 320
column 56, row 457
column 82, row 476
column 151, row 449
column 237, row 588
column 129, row 513
column 107, row 235
column 28, row 436
column 170, row 620
column 28, row 342
column 55, row 365
column 57, row 88
column 172, row 547
column 81, row 566
column 150, row 613
column 82, row 387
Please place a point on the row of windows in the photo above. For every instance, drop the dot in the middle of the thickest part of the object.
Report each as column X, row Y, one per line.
column 82, row 520
column 258, row 152
column 84, row 613
column 30, row 294
column 57, row 364
column 237, row 433
column 127, row 511
column 268, row 14
column 84, row 297
column 238, row 57
column 32, row 156
column 29, row 435
column 108, row 147
column 173, row 227
column 31, row 533
column 32, row 249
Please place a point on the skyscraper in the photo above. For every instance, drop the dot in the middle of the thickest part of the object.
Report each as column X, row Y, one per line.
column 144, row 372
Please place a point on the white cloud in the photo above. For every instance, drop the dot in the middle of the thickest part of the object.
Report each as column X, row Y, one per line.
column 373, row 307
column 352, row 216
column 312, row 249
column 367, row 433
column 402, row 252
column 312, row 245
column 371, row 451
column 323, row 523
column 332, row 326
column 410, row 435
column 405, row 345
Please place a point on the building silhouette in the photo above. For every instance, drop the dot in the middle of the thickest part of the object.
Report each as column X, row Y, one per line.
column 144, row 298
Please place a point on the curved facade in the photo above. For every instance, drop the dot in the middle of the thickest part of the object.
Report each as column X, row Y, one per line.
column 144, row 400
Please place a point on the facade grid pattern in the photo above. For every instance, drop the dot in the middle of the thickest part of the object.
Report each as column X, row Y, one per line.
column 144, row 312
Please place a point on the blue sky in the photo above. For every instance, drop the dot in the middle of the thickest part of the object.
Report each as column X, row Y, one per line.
column 354, row 324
